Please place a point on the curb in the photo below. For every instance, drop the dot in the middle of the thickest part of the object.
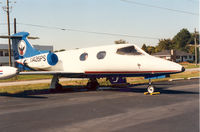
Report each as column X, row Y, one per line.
column 176, row 79
column 193, row 78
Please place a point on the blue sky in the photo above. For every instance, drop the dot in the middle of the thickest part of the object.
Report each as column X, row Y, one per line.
column 110, row 16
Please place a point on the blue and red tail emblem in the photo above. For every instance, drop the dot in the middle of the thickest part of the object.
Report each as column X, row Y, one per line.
column 22, row 49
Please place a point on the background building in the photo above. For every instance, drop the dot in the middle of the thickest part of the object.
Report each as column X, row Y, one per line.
column 175, row 55
column 4, row 59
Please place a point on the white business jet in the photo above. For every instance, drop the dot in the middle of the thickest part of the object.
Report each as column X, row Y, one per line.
column 114, row 62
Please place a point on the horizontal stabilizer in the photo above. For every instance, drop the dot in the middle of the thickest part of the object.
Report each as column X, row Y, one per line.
column 6, row 37
column 46, row 73
column 59, row 73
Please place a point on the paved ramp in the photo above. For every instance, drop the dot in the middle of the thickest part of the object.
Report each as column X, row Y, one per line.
column 176, row 109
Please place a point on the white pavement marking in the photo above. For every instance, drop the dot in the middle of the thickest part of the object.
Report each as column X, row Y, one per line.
column 128, row 119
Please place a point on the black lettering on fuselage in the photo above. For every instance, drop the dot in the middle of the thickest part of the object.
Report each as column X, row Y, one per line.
column 38, row 58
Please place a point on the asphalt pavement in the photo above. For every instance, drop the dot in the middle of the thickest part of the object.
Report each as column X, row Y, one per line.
column 124, row 109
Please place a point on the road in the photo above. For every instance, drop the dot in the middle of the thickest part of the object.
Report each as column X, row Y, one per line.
column 176, row 109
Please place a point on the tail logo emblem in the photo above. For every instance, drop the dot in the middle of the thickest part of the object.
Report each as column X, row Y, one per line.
column 21, row 48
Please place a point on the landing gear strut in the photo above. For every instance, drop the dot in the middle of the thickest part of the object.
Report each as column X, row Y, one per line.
column 92, row 84
column 55, row 83
column 151, row 89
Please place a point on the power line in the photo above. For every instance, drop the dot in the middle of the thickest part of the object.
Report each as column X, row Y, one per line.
column 41, row 26
column 91, row 32
column 159, row 7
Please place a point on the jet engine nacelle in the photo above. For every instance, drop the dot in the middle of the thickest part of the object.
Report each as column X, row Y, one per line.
column 42, row 61
column 7, row 72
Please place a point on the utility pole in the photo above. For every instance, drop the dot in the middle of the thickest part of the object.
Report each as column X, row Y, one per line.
column 9, row 42
column 7, row 10
column 15, row 31
column 15, row 26
column 195, row 45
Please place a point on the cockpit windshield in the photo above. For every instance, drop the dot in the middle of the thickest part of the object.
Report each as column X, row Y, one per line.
column 130, row 50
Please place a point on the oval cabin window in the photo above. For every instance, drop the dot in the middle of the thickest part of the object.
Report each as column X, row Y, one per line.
column 83, row 56
column 101, row 55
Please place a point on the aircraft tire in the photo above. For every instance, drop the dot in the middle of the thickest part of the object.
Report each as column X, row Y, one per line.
column 58, row 86
column 150, row 89
column 92, row 85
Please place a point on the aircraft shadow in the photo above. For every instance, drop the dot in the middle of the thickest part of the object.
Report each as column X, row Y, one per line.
column 40, row 94
column 137, row 88
column 162, row 90
column 21, row 95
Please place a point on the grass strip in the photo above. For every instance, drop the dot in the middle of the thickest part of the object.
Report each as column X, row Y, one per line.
column 103, row 82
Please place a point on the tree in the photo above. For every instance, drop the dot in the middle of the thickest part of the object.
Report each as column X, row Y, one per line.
column 144, row 47
column 164, row 44
column 121, row 41
column 181, row 39
column 148, row 49
column 151, row 49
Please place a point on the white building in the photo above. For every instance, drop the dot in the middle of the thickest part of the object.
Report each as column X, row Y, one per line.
column 176, row 55
column 4, row 59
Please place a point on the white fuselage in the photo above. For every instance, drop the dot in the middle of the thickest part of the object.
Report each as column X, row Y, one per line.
column 69, row 61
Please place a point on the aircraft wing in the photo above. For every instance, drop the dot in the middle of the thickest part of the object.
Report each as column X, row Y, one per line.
column 59, row 73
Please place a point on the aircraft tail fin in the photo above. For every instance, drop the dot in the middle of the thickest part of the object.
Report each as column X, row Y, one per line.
column 22, row 49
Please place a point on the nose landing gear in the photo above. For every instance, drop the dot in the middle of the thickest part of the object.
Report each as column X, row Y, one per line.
column 151, row 89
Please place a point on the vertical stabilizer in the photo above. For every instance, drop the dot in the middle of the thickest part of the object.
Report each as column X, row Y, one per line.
column 22, row 49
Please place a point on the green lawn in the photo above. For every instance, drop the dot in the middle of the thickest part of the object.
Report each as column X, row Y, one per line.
column 190, row 65
column 103, row 82
column 27, row 77
column 22, row 88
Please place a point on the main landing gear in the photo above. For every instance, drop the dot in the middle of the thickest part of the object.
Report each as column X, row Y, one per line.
column 56, row 86
column 151, row 89
column 55, row 83
column 92, row 84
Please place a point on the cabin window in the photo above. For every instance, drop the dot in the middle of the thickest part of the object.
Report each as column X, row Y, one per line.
column 130, row 50
column 101, row 55
column 83, row 56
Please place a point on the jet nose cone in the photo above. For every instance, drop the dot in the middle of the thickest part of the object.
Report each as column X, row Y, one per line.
column 183, row 69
